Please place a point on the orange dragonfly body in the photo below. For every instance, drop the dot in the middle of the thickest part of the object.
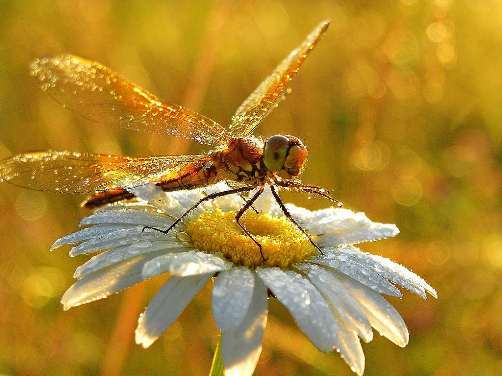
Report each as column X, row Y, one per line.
column 101, row 95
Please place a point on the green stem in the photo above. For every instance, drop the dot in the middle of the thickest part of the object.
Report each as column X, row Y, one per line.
column 217, row 364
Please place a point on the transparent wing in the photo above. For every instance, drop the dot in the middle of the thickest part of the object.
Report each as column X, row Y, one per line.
column 101, row 95
column 274, row 88
column 71, row 172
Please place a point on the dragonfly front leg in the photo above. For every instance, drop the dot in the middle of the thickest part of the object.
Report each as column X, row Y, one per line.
column 290, row 217
column 249, row 203
column 293, row 185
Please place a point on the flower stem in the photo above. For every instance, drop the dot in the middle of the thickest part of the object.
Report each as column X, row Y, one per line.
column 217, row 364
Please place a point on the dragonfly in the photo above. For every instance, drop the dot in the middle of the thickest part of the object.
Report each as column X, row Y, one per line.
column 246, row 162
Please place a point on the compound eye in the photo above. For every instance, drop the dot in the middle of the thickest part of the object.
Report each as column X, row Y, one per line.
column 274, row 154
column 295, row 159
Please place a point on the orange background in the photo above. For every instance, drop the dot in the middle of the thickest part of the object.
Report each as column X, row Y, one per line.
column 400, row 106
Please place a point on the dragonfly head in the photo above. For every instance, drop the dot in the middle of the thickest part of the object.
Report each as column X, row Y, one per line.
column 284, row 155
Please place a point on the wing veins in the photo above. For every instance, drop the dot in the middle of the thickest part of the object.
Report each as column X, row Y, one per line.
column 97, row 93
column 273, row 89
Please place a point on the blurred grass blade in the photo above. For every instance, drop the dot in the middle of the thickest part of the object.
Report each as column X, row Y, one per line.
column 217, row 365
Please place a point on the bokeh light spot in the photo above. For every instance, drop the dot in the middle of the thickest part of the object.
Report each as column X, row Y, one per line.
column 371, row 157
column 407, row 191
column 41, row 285
column 30, row 205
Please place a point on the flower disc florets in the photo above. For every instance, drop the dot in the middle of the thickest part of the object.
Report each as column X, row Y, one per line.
column 282, row 243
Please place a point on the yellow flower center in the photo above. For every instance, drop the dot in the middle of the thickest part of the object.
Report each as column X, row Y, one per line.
column 281, row 241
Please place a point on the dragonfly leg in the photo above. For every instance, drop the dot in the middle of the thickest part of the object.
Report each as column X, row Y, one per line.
column 252, row 207
column 211, row 196
column 290, row 217
column 249, row 203
column 313, row 189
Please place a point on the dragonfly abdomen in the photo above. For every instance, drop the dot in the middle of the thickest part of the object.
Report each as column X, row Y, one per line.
column 193, row 176
column 107, row 197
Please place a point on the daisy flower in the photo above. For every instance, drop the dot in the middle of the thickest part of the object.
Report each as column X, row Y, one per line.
column 335, row 296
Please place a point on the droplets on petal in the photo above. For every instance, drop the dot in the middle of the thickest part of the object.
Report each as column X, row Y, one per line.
column 386, row 268
column 86, row 234
column 381, row 314
column 118, row 238
column 337, row 226
column 340, row 300
column 185, row 264
column 358, row 271
column 241, row 346
column 102, row 283
column 127, row 216
column 232, row 294
column 304, row 302
column 400, row 275
column 166, row 306
column 116, row 255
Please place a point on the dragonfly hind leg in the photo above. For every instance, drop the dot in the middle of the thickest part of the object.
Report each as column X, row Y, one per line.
column 290, row 217
column 240, row 213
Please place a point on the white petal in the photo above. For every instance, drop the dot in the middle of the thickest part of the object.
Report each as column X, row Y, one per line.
column 382, row 316
column 147, row 192
column 384, row 267
column 241, row 346
column 337, row 259
column 337, row 295
column 400, row 275
column 185, row 264
column 127, row 216
column 336, row 226
column 166, row 306
column 232, row 294
column 305, row 303
column 116, row 255
column 86, row 234
column 105, row 282
column 266, row 203
column 181, row 201
column 119, row 238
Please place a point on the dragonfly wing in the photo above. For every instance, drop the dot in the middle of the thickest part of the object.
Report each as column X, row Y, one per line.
column 71, row 172
column 274, row 88
column 99, row 94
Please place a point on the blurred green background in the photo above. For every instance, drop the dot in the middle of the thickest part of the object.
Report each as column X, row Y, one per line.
column 400, row 105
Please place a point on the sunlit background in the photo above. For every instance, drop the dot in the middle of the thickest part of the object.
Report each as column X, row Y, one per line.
column 400, row 106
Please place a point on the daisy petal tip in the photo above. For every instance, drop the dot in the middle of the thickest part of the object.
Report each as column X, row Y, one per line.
column 73, row 252
column 431, row 290
column 358, row 369
column 66, row 307
column 57, row 244
column 142, row 339
column 355, row 366
column 150, row 269
column 393, row 230
column 66, row 303
column 401, row 338
column 404, row 341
